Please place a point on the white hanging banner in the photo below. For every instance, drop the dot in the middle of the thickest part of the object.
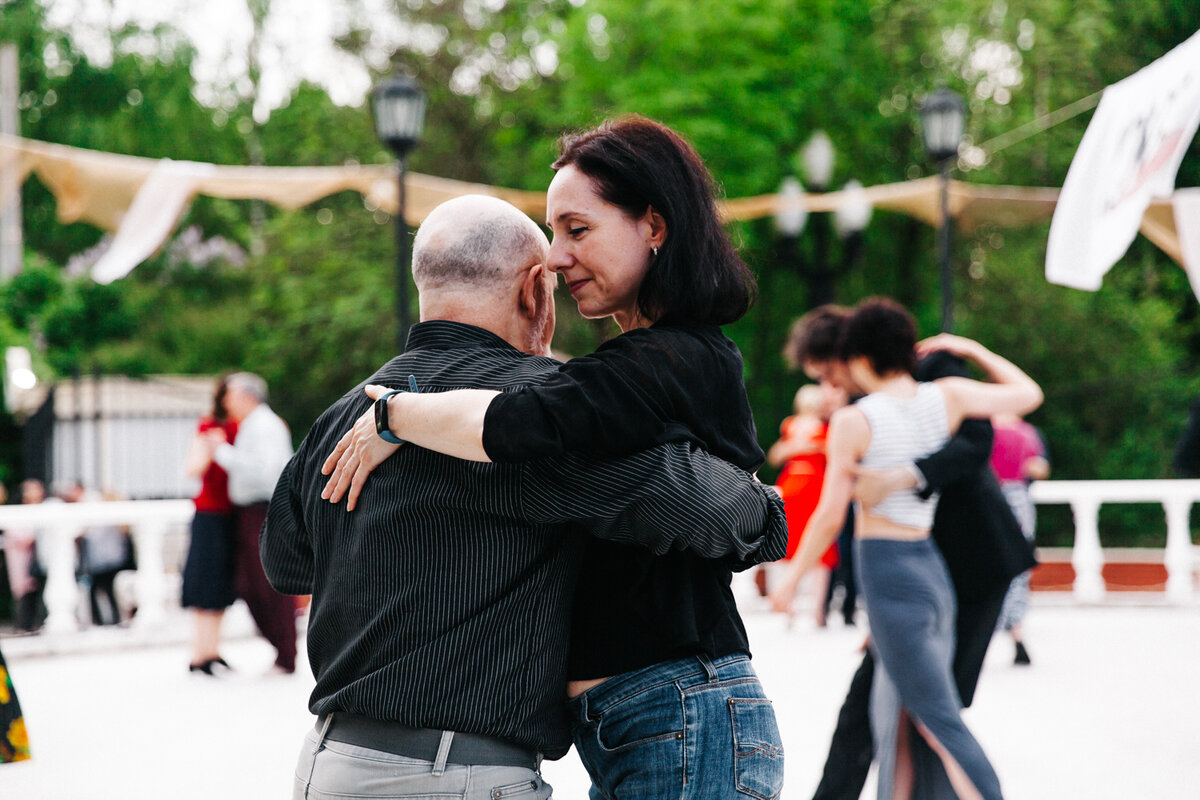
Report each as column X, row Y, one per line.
column 1129, row 154
column 155, row 211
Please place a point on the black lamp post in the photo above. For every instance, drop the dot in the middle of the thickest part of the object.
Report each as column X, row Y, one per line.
column 943, row 116
column 399, row 106
column 816, row 160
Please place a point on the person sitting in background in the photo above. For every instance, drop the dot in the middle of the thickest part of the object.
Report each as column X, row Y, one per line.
column 801, row 451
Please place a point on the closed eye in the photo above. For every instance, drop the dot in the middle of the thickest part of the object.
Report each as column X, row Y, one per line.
column 576, row 231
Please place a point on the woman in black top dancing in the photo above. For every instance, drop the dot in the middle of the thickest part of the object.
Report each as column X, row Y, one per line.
column 665, row 701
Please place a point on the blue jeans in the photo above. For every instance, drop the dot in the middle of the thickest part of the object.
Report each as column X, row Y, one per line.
column 691, row 729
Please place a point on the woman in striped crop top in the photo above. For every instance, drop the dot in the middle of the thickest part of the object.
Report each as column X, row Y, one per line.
column 905, row 585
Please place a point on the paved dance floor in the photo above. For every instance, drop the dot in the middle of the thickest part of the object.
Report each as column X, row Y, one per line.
column 1109, row 710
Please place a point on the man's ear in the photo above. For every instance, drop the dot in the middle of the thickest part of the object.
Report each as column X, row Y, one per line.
column 533, row 291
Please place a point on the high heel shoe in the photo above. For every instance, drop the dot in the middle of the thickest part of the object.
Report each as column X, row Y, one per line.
column 209, row 667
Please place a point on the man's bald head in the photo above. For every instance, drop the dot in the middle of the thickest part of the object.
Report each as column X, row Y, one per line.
column 475, row 242
column 480, row 261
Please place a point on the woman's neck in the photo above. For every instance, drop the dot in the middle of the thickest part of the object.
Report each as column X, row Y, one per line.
column 895, row 383
column 631, row 320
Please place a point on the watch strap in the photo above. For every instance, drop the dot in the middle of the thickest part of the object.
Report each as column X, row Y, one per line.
column 381, row 412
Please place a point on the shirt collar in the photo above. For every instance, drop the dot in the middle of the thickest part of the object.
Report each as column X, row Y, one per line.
column 440, row 334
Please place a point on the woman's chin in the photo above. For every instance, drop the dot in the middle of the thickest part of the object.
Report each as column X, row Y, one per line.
column 591, row 311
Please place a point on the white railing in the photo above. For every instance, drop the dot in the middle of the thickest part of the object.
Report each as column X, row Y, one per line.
column 150, row 521
column 1087, row 557
column 59, row 524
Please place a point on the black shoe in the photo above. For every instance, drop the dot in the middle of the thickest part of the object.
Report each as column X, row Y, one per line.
column 1022, row 657
column 212, row 667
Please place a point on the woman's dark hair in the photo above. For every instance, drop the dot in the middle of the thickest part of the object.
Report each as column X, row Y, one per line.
column 637, row 163
column 817, row 336
column 884, row 332
column 219, row 414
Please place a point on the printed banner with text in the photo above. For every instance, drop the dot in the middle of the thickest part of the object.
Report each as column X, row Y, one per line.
column 1130, row 154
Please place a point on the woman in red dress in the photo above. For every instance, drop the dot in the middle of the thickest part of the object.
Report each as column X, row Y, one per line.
column 208, row 572
column 801, row 450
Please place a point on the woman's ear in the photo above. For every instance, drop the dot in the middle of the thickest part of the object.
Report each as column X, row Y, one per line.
column 655, row 227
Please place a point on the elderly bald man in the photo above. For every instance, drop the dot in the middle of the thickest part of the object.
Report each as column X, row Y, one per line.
column 441, row 604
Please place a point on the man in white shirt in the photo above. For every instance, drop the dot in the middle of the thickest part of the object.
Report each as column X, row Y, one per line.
column 261, row 449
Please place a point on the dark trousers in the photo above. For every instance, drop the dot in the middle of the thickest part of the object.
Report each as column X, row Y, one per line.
column 273, row 613
column 851, row 749
column 843, row 573
column 31, row 611
column 103, row 592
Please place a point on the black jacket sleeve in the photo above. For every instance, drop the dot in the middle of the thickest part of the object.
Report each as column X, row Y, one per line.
column 285, row 546
column 644, row 388
column 969, row 448
column 669, row 497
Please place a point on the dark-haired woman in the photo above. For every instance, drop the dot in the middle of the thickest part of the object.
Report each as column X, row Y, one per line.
column 664, row 700
column 907, row 590
column 208, row 570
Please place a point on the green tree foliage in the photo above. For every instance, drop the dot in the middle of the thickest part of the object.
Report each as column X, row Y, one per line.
column 305, row 297
column 319, row 308
column 749, row 86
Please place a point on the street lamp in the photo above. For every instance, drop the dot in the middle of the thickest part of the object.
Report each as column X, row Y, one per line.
column 399, row 106
column 943, row 115
column 816, row 159
column 791, row 213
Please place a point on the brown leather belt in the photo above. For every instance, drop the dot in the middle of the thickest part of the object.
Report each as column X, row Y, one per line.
column 423, row 743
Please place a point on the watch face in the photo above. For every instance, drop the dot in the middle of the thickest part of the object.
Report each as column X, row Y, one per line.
column 381, row 423
column 381, row 413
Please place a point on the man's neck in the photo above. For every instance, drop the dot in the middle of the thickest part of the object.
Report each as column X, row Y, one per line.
column 246, row 416
column 483, row 313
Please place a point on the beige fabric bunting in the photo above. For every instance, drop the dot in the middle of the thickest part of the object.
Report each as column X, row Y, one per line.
column 104, row 188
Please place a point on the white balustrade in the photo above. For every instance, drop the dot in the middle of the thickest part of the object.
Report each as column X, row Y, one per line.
column 150, row 520
column 60, row 523
column 1085, row 498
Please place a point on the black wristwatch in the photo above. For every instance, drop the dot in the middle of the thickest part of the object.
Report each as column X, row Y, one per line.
column 381, row 413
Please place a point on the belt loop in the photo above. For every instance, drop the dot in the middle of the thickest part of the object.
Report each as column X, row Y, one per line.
column 324, row 730
column 443, row 753
column 709, row 670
